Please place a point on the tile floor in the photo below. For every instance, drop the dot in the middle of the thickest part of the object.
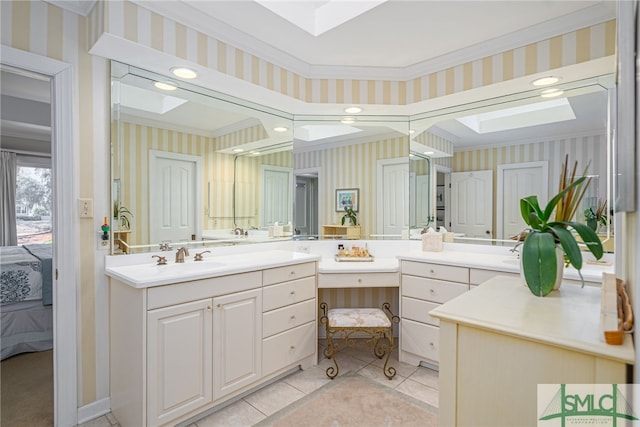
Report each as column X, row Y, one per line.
column 416, row 381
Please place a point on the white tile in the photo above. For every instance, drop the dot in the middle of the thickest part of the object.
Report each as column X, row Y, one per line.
column 403, row 369
column 274, row 397
column 111, row 418
column 239, row 414
column 308, row 380
column 346, row 364
column 97, row 422
column 375, row 373
column 426, row 376
column 419, row 391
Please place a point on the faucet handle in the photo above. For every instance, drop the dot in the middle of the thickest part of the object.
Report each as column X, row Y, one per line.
column 161, row 260
column 164, row 246
column 198, row 256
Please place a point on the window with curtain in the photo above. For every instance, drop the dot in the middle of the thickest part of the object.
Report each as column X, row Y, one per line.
column 33, row 204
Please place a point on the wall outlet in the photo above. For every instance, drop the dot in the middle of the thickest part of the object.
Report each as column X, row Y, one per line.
column 85, row 208
column 102, row 245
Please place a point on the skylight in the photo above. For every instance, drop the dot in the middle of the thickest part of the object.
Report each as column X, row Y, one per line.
column 148, row 100
column 317, row 17
column 318, row 132
column 557, row 110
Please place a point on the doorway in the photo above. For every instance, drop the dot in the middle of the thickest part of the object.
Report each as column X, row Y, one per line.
column 276, row 195
column 472, row 203
column 306, row 206
column 393, row 210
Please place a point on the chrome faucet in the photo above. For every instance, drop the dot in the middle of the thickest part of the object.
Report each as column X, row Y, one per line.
column 238, row 231
column 181, row 253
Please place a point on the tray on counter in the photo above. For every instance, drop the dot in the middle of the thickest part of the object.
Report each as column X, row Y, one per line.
column 340, row 258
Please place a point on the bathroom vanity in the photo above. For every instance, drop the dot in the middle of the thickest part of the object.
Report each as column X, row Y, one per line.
column 187, row 337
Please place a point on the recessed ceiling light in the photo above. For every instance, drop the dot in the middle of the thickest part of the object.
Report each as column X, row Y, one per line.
column 550, row 93
column 165, row 85
column 353, row 110
column 545, row 81
column 348, row 120
column 238, row 150
column 184, row 73
column 428, row 152
column 280, row 129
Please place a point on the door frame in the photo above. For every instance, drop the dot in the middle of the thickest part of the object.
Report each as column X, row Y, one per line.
column 318, row 173
column 65, row 227
column 446, row 171
column 154, row 155
column 500, row 194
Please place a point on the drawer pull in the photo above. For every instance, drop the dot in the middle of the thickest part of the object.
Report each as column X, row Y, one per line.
column 432, row 271
column 431, row 344
column 293, row 273
column 219, row 305
column 208, row 308
column 293, row 347
column 432, row 291
column 359, row 280
column 293, row 292
column 293, row 317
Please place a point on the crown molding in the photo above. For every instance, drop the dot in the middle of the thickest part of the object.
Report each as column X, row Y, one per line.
column 193, row 18
column 143, row 121
column 79, row 7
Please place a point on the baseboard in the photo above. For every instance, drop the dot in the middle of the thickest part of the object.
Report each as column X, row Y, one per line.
column 94, row 410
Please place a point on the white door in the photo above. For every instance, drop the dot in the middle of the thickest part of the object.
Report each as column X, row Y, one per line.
column 393, row 209
column 516, row 181
column 173, row 183
column 422, row 200
column 237, row 340
column 472, row 203
column 276, row 195
column 179, row 360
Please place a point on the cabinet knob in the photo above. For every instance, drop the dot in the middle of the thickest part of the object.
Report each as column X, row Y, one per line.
column 293, row 317
column 219, row 305
column 431, row 344
column 431, row 291
column 293, row 292
column 293, row 347
column 208, row 308
column 359, row 280
column 293, row 273
column 432, row 271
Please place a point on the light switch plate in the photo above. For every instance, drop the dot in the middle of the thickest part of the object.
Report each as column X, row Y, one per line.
column 85, row 208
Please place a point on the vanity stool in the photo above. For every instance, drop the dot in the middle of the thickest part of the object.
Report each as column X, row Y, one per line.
column 343, row 322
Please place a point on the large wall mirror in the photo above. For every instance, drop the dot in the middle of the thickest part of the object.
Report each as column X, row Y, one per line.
column 193, row 165
column 487, row 155
column 358, row 162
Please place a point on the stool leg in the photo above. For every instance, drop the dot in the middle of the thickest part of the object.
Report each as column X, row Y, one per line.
column 329, row 353
column 389, row 372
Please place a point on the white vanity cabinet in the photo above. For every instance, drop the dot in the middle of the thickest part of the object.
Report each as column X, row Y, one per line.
column 237, row 339
column 289, row 313
column 179, row 349
column 424, row 286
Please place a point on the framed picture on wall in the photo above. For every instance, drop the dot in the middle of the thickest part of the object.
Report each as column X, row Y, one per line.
column 347, row 197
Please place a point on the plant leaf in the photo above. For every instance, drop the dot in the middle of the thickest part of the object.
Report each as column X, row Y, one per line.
column 589, row 237
column 529, row 205
column 558, row 197
column 539, row 262
column 569, row 245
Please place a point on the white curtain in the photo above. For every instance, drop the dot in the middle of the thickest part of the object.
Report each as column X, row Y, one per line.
column 8, row 231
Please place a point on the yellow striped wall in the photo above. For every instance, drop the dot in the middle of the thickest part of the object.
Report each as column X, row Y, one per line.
column 352, row 166
column 587, row 150
column 439, row 143
column 44, row 29
column 249, row 134
column 139, row 25
column 218, row 173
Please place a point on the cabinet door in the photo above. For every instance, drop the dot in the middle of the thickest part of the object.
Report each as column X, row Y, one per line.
column 237, row 341
column 179, row 360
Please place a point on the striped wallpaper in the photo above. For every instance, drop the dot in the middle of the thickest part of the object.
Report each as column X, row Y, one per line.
column 218, row 168
column 139, row 25
column 41, row 28
column 352, row 166
column 584, row 149
column 439, row 143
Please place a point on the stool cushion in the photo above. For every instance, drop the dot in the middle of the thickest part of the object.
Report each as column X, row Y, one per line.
column 358, row 318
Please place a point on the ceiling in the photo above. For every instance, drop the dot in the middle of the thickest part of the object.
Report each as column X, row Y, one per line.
column 393, row 39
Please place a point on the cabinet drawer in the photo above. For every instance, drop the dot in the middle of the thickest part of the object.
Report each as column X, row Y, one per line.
column 418, row 310
column 358, row 280
column 436, row 271
column 281, row 319
column 431, row 290
column 420, row 339
column 478, row 276
column 288, row 272
column 162, row 296
column 287, row 293
column 288, row 347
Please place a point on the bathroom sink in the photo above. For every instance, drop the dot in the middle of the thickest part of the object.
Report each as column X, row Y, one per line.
column 153, row 271
column 514, row 261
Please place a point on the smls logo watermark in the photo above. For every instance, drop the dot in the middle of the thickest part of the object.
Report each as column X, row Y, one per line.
column 592, row 405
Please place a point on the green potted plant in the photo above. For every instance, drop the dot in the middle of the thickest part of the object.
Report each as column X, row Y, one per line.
column 547, row 238
column 597, row 217
column 351, row 215
column 122, row 216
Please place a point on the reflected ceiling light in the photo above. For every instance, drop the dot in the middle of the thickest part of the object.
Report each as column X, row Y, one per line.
column 280, row 129
column 165, row 85
column 348, row 120
column 550, row 93
column 353, row 110
column 184, row 73
column 412, row 131
column 255, row 153
column 546, row 81
column 429, row 152
column 238, row 150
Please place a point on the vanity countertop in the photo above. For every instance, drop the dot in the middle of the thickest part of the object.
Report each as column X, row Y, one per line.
column 568, row 317
column 149, row 274
column 378, row 265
